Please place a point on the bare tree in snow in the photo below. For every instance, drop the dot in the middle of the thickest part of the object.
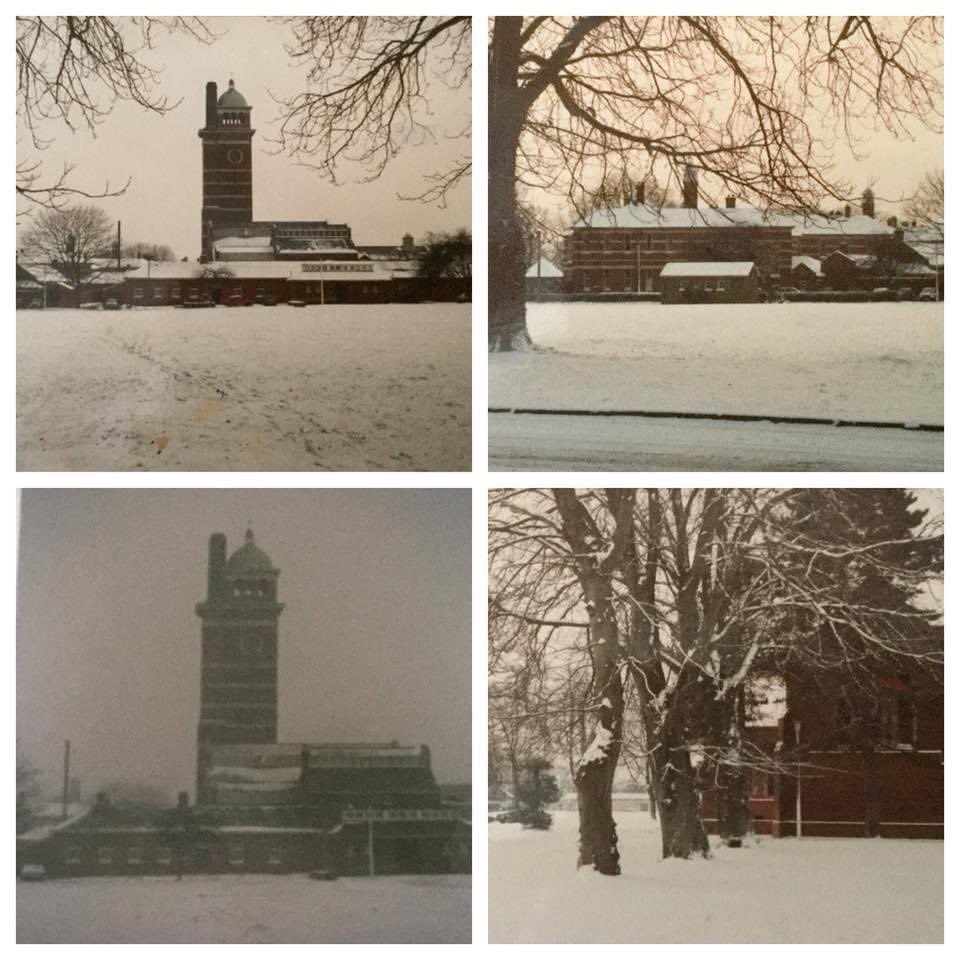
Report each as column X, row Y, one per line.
column 681, row 598
column 756, row 104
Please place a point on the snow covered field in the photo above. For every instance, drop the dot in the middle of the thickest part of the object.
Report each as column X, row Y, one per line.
column 859, row 361
column 371, row 387
column 787, row 891
column 253, row 909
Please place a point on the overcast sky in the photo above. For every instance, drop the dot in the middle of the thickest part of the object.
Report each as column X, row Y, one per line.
column 374, row 640
column 162, row 153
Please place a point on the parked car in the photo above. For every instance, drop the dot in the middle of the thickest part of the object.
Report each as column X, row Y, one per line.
column 269, row 300
column 33, row 871
column 296, row 303
column 195, row 302
column 905, row 293
column 111, row 304
column 783, row 294
column 238, row 300
column 928, row 293
column 883, row 293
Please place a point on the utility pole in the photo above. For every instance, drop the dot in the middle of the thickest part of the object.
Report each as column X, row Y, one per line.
column 370, row 861
column 66, row 776
column 799, row 814
column 118, row 244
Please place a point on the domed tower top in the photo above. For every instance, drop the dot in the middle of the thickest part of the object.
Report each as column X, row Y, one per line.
column 232, row 109
column 232, row 99
column 249, row 559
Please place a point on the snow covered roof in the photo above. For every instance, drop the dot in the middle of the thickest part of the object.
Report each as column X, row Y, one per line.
column 75, row 812
column 718, row 268
column 547, row 270
column 644, row 215
column 44, row 273
column 811, row 263
column 266, row 270
column 257, row 775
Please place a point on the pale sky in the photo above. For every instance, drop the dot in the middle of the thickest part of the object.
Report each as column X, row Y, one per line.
column 374, row 641
column 162, row 153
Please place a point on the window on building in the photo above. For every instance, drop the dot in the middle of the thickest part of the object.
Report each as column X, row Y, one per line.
column 275, row 856
column 708, row 286
column 138, row 293
column 134, row 854
column 194, row 291
column 72, row 855
column 175, row 293
column 235, row 852
column 105, row 856
column 721, row 286
column 762, row 785
column 158, row 293
column 164, row 855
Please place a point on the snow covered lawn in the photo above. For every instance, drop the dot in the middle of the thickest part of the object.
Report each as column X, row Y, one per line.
column 858, row 361
column 371, row 387
column 253, row 909
column 788, row 891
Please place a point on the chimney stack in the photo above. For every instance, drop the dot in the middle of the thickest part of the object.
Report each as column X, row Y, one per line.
column 641, row 193
column 891, row 221
column 690, row 189
column 731, row 203
column 847, row 210
column 868, row 205
column 216, row 565
column 211, row 105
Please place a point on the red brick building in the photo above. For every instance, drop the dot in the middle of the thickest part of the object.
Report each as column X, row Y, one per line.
column 839, row 775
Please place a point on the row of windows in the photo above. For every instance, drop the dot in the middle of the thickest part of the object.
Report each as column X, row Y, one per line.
column 133, row 855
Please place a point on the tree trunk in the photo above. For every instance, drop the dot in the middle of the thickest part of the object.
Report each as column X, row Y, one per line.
column 681, row 825
column 735, row 823
column 506, row 252
column 594, row 782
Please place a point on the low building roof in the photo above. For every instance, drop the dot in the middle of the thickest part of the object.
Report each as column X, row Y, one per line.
column 339, row 270
column 811, row 263
column 716, row 268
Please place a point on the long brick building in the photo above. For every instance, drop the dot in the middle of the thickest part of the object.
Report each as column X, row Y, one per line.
column 624, row 250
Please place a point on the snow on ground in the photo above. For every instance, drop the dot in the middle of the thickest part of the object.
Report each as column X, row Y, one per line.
column 366, row 387
column 534, row 442
column 857, row 361
column 786, row 891
column 245, row 909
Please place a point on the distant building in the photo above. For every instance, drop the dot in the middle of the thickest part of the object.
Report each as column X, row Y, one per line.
column 543, row 279
column 623, row 250
column 264, row 806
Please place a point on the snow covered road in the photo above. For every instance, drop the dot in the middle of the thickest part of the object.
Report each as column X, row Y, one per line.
column 367, row 387
column 538, row 442
column 770, row 891
column 245, row 909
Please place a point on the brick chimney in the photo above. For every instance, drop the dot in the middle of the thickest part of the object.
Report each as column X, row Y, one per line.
column 640, row 195
column 690, row 189
column 868, row 205
column 731, row 203
column 891, row 221
column 847, row 210
column 211, row 121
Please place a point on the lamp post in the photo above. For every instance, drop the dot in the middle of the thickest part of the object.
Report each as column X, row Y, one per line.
column 799, row 814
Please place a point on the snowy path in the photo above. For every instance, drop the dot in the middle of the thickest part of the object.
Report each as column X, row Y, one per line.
column 264, row 388
column 253, row 909
column 811, row 891
column 536, row 442
column 860, row 361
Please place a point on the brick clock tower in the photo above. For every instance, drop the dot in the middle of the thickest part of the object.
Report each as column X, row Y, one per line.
column 227, row 165
column 239, row 627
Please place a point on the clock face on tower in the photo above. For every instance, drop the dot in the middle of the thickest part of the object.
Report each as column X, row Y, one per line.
column 235, row 156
